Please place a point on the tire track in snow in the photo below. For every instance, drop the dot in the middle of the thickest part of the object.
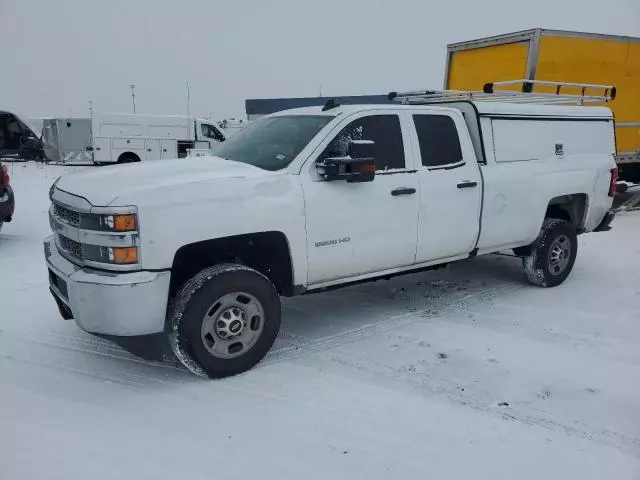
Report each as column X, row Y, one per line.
column 312, row 346
column 75, row 346
column 79, row 371
column 114, row 353
column 77, row 337
column 424, row 382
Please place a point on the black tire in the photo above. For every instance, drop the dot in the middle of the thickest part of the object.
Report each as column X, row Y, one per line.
column 195, row 301
column 128, row 158
column 552, row 255
column 522, row 251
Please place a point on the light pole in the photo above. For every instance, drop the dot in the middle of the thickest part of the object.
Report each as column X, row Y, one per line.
column 189, row 122
column 188, row 99
column 133, row 96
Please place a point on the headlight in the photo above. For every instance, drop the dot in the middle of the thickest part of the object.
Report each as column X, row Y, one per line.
column 102, row 237
column 109, row 223
column 122, row 223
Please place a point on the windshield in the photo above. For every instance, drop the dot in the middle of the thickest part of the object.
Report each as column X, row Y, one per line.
column 272, row 143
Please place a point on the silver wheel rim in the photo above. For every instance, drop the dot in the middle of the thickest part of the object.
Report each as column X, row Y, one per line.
column 232, row 325
column 559, row 255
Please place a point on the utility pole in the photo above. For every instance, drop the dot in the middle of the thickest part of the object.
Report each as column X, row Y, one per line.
column 189, row 111
column 90, row 108
column 133, row 96
column 188, row 99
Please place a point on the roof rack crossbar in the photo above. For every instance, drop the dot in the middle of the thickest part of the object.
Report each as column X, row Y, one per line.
column 489, row 93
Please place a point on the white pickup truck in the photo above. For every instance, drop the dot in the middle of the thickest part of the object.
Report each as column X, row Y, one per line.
column 306, row 199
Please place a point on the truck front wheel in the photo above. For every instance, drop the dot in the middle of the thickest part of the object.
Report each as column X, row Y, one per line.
column 224, row 320
column 551, row 257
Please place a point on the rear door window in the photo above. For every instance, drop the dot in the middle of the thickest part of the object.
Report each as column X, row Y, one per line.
column 438, row 140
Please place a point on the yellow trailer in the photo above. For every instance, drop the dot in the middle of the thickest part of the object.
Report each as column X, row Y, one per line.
column 560, row 56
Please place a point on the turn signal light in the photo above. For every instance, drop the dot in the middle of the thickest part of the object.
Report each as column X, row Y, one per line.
column 367, row 167
column 124, row 223
column 125, row 255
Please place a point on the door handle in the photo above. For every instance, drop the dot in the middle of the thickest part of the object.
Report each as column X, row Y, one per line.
column 148, row 149
column 403, row 191
column 467, row 184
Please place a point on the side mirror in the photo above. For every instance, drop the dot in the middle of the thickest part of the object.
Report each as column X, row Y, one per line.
column 362, row 149
column 359, row 166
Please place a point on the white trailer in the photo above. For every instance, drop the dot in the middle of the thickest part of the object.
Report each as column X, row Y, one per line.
column 125, row 138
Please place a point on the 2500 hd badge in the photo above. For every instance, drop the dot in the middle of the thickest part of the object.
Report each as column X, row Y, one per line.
column 335, row 241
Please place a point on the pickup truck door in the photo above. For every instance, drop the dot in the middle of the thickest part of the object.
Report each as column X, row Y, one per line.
column 359, row 228
column 449, row 185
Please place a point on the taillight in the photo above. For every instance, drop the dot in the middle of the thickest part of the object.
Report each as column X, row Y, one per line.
column 4, row 175
column 613, row 183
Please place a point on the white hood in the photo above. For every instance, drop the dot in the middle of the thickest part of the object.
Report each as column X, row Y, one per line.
column 103, row 185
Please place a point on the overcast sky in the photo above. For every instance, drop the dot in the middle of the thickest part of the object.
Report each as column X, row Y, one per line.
column 56, row 55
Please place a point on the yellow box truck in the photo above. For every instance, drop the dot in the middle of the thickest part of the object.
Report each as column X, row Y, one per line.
column 560, row 56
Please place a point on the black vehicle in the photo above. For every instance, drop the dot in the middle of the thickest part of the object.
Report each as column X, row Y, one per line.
column 17, row 139
column 7, row 200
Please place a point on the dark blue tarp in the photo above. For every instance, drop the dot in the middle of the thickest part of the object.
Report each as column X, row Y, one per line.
column 265, row 106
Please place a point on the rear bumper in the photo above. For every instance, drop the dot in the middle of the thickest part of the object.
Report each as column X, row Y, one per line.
column 109, row 303
column 605, row 224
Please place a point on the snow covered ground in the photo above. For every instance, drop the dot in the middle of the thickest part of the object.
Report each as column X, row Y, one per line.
column 460, row 373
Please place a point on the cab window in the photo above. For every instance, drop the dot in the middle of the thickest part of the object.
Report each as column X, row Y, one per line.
column 210, row 131
column 384, row 130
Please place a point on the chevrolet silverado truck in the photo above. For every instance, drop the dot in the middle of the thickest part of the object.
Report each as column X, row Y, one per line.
column 203, row 248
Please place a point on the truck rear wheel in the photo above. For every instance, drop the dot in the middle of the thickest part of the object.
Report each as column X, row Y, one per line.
column 224, row 320
column 552, row 256
column 128, row 158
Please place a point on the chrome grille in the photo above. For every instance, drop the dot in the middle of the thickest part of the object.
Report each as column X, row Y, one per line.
column 66, row 215
column 71, row 247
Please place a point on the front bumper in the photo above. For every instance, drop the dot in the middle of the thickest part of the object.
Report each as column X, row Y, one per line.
column 605, row 224
column 109, row 303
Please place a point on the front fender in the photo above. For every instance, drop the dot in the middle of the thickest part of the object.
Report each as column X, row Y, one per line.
column 183, row 215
